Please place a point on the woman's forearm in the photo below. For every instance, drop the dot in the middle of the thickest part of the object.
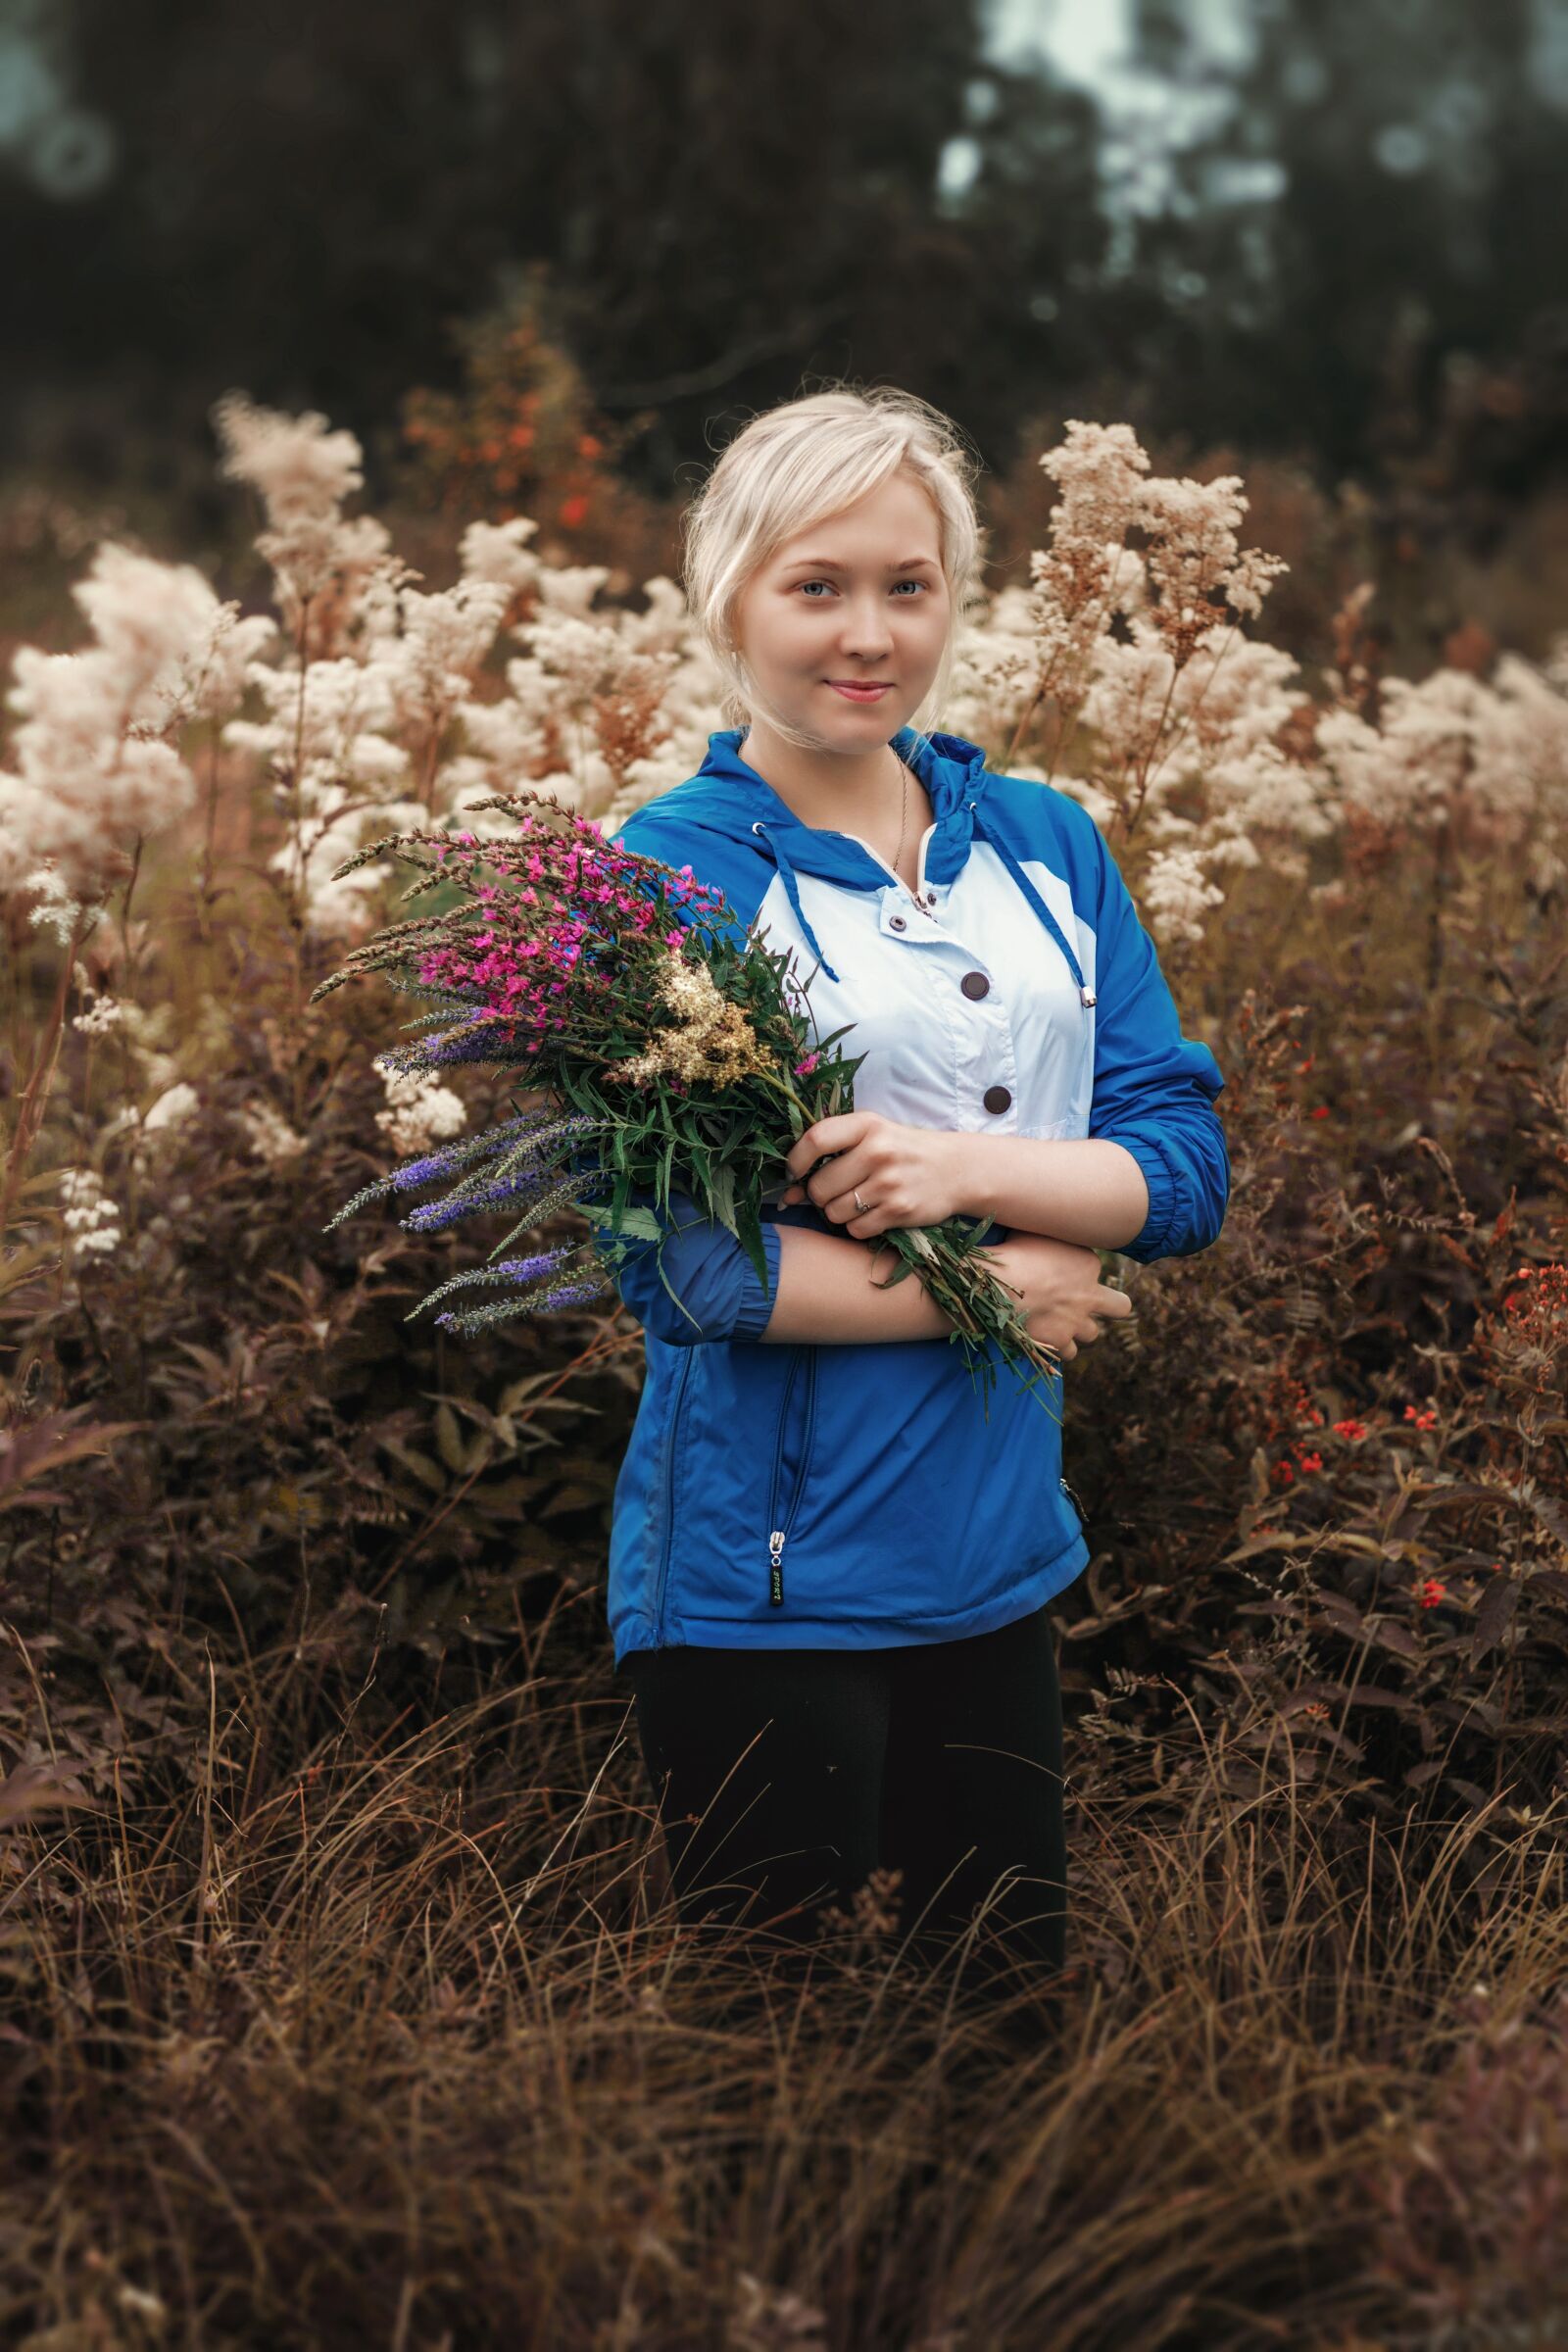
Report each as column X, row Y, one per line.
column 1079, row 1189
column 826, row 1294
column 1085, row 1190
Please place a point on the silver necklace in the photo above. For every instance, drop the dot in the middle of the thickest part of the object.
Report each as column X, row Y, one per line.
column 903, row 810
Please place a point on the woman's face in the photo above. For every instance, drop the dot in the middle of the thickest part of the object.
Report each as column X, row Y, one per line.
column 861, row 597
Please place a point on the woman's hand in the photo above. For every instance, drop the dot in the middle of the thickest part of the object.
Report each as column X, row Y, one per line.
column 906, row 1175
column 1062, row 1298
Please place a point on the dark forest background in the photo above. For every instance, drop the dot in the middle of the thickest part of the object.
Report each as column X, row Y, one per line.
column 1352, row 257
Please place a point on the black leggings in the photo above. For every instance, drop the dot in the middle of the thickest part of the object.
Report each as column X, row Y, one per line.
column 786, row 1776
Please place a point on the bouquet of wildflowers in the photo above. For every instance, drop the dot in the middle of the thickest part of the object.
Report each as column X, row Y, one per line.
column 660, row 1048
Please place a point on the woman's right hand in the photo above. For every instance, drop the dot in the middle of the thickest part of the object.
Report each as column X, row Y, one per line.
column 1062, row 1298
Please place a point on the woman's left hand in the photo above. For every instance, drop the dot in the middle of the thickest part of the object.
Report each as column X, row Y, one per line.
column 906, row 1175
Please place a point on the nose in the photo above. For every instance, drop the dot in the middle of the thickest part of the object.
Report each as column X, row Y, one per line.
column 864, row 629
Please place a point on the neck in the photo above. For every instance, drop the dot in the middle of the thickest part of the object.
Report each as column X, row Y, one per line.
column 842, row 792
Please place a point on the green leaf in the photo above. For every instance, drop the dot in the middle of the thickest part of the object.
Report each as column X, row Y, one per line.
column 721, row 1192
column 640, row 1224
column 749, row 1229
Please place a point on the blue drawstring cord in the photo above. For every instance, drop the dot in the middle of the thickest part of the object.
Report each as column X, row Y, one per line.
column 792, row 889
column 1086, row 995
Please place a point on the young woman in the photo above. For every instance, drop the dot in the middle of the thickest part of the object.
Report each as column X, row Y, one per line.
column 831, row 1558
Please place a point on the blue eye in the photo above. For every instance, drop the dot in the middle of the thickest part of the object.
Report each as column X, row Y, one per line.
column 816, row 600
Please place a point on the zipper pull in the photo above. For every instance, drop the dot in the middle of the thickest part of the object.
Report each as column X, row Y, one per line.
column 775, row 1556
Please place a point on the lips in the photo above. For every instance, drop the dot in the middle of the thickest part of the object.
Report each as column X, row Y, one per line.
column 858, row 694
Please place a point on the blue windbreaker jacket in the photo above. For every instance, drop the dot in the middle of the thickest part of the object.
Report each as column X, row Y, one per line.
column 845, row 1497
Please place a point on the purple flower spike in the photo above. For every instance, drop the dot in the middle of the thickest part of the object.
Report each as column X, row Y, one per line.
column 575, row 1294
column 421, row 1171
column 434, row 1216
column 527, row 1269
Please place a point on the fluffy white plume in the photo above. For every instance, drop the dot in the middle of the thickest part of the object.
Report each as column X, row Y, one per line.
column 379, row 707
column 420, row 1113
column 96, row 753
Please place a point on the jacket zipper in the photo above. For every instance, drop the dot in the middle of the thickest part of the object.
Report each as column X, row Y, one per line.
column 669, row 1492
column 780, row 1535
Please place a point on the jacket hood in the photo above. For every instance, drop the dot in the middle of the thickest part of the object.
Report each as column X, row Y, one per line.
column 727, row 796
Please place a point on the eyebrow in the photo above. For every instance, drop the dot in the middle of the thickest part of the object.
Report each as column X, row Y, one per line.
column 827, row 563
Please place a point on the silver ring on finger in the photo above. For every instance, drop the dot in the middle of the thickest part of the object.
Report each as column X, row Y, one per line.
column 861, row 1205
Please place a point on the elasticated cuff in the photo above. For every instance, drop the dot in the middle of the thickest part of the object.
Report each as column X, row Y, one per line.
column 755, row 1305
column 1150, row 1240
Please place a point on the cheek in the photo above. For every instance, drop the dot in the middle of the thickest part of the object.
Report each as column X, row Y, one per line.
column 797, row 632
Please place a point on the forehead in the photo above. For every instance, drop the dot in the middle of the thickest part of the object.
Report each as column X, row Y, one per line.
column 894, row 525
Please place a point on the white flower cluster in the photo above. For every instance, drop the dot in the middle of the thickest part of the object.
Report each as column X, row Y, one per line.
column 303, row 474
column 420, row 1113
column 53, row 909
column 173, row 1107
column 96, row 752
column 1199, row 742
column 1503, row 745
column 1123, row 664
column 1176, row 896
column 88, row 1216
column 100, row 1014
column 101, row 1017
column 149, row 1131
column 359, row 712
column 270, row 1138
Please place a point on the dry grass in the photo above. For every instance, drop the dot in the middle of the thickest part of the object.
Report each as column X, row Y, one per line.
column 341, row 2001
column 394, row 2040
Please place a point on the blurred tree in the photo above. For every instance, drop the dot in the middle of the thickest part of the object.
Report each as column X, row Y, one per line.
column 785, row 210
column 308, row 200
column 1352, row 257
column 1363, row 255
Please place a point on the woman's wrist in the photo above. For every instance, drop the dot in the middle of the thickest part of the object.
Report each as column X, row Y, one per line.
column 1086, row 1190
column 972, row 1172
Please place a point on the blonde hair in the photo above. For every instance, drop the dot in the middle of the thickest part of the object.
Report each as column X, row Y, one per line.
column 797, row 463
